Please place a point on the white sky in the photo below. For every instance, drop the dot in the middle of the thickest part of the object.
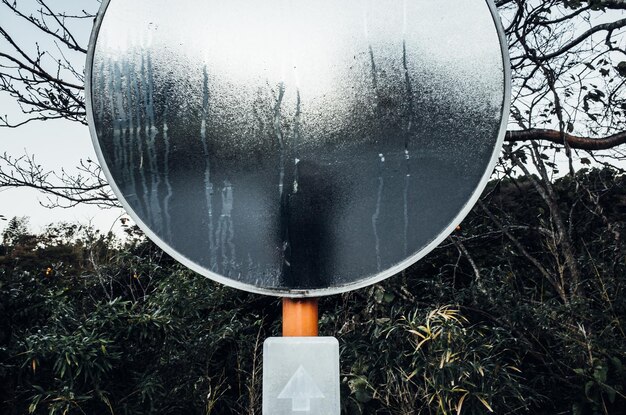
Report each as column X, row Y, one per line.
column 55, row 143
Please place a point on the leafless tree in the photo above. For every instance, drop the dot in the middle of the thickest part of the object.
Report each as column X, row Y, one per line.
column 46, row 80
column 568, row 61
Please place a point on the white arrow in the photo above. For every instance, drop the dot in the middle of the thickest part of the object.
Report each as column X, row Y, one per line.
column 301, row 388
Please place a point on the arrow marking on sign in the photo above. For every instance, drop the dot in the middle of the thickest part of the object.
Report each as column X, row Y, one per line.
column 301, row 388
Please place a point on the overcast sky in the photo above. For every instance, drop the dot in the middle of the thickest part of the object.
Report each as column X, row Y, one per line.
column 55, row 143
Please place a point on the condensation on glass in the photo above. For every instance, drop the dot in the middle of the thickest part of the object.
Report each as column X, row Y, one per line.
column 297, row 147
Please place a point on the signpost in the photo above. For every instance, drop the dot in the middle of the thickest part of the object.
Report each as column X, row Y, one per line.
column 298, row 148
column 301, row 389
column 301, row 375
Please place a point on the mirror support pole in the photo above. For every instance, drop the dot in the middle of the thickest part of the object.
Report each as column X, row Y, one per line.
column 300, row 317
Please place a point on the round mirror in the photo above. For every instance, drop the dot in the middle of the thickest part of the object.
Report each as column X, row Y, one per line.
column 298, row 148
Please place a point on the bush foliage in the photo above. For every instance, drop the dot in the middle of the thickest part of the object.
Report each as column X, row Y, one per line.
column 488, row 322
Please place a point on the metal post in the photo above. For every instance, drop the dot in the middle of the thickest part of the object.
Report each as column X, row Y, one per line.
column 300, row 317
column 300, row 369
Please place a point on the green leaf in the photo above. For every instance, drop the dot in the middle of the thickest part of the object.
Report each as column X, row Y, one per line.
column 577, row 409
column 362, row 396
column 389, row 297
column 588, row 387
column 600, row 373
column 610, row 392
column 617, row 365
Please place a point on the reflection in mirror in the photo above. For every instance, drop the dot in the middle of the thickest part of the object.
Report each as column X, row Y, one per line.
column 277, row 147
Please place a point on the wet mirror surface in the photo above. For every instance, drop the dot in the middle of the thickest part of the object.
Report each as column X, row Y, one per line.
column 297, row 145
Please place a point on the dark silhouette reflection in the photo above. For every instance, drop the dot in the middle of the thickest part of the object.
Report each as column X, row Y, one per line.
column 307, row 221
column 319, row 162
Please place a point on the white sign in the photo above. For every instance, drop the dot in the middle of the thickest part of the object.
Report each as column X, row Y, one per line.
column 301, row 388
column 301, row 376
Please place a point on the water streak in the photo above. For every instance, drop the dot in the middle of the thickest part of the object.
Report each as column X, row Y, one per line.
column 208, row 185
column 279, row 136
column 225, row 231
column 151, row 134
column 409, row 114
column 376, row 215
column 295, row 141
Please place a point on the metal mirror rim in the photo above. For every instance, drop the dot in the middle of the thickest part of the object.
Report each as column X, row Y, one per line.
column 281, row 292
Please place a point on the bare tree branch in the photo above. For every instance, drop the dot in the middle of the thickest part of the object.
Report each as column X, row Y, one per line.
column 584, row 36
column 63, row 190
column 574, row 141
column 66, row 36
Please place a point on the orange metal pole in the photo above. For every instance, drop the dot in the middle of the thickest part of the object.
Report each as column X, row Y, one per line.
column 300, row 317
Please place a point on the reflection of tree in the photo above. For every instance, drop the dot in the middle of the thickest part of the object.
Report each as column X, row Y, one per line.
column 133, row 124
column 283, row 196
column 151, row 131
column 167, row 220
column 135, row 139
column 208, row 185
column 225, row 231
column 287, row 136
column 376, row 214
